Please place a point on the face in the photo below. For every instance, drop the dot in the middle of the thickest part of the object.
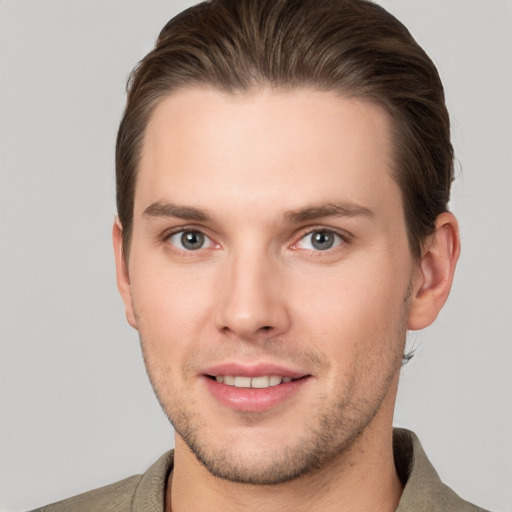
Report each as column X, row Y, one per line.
column 269, row 276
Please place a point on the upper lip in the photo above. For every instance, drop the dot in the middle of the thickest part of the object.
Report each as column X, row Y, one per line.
column 253, row 370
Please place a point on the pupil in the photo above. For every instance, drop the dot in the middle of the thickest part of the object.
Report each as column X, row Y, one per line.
column 322, row 240
column 192, row 240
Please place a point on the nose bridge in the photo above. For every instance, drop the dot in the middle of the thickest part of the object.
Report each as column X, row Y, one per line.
column 250, row 303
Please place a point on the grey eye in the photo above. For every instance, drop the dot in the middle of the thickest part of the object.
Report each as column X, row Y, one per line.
column 189, row 240
column 192, row 240
column 321, row 240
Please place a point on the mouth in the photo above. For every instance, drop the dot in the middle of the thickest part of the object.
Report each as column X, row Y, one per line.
column 259, row 382
column 254, row 389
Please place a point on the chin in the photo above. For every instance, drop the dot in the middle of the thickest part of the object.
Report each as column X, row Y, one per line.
column 257, row 459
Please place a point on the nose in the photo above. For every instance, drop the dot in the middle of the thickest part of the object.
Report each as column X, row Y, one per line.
column 251, row 304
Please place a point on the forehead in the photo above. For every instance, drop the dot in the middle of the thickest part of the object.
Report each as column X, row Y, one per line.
column 287, row 148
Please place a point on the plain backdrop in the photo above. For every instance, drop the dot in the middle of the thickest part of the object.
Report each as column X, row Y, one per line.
column 77, row 411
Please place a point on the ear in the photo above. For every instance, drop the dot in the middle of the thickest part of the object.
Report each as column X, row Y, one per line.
column 434, row 277
column 122, row 275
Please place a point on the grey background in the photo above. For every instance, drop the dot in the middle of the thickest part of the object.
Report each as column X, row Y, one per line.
column 77, row 411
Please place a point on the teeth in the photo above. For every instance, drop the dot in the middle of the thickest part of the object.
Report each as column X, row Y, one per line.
column 274, row 381
column 242, row 382
column 262, row 382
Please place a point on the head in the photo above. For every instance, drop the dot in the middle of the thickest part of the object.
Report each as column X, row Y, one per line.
column 283, row 172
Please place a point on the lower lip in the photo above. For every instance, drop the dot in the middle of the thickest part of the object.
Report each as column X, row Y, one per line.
column 254, row 399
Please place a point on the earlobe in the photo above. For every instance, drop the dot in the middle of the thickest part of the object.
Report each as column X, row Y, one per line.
column 434, row 277
column 122, row 274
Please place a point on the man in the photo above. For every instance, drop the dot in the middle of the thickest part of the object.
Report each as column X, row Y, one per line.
column 283, row 175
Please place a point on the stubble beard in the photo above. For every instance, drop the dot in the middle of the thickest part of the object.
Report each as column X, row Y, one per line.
column 329, row 436
column 324, row 442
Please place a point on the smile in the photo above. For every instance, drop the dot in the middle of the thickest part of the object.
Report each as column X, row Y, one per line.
column 259, row 392
column 260, row 382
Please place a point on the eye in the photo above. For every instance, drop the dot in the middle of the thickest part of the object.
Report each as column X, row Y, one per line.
column 320, row 240
column 190, row 240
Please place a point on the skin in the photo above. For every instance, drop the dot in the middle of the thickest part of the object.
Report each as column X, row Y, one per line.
column 256, row 174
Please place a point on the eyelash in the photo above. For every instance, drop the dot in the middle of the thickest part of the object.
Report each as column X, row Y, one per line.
column 166, row 237
column 340, row 239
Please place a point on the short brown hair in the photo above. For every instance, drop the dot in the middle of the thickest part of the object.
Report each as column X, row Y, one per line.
column 352, row 47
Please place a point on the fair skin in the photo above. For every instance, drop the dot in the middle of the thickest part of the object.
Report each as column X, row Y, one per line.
column 269, row 241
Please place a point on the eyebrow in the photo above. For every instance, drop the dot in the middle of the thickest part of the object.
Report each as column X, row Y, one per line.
column 161, row 209
column 341, row 209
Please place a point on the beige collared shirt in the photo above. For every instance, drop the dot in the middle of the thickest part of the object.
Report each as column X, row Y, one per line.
column 423, row 491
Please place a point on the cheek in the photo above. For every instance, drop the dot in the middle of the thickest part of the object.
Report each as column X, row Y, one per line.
column 355, row 308
column 170, row 305
column 170, row 314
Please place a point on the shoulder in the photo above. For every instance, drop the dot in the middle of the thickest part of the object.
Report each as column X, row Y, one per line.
column 115, row 497
column 423, row 489
column 136, row 493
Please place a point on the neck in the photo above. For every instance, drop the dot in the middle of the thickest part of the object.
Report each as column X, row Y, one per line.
column 362, row 478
